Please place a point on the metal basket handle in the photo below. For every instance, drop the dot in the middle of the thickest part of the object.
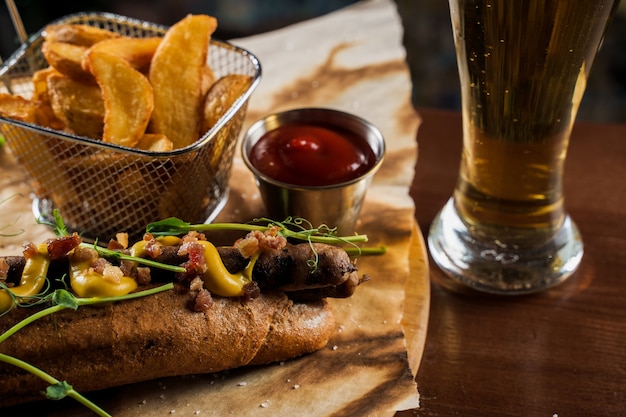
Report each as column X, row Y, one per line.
column 17, row 22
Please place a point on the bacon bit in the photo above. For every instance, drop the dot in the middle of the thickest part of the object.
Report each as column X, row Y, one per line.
column 196, row 258
column 250, row 291
column 143, row 276
column 112, row 274
column 122, row 239
column 30, row 250
column 196, row 264
column 60, row 247
column 153, row 248
column 81, row 254
column 248, row 246
column 127, row 267
column 193, row 236
column 196, row 284
column 99, row 265
column 203, row 301
column 115, row 245
column 256, row 241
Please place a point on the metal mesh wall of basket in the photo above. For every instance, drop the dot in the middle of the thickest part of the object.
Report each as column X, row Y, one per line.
column 100, row 188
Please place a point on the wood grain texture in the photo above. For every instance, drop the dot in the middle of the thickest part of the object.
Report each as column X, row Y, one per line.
column 560, row 352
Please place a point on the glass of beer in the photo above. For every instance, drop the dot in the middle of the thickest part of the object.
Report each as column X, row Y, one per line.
column 523, row 66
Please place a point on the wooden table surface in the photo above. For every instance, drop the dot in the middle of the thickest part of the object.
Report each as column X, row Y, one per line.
column 558, row 353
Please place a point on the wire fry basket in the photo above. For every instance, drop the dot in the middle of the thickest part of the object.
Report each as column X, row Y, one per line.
column 101, row 188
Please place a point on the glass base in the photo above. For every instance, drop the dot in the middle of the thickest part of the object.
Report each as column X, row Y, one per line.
column 488, row 266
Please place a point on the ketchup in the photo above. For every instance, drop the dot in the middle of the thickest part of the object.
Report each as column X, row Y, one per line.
column 311, row 155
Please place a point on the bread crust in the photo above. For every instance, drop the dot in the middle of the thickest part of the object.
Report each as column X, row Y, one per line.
column 158, row 336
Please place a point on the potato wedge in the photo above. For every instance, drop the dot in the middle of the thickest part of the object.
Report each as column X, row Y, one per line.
column 155, row 142
column 78, row 105
column 77, row 34
column 40, row 83
column 138, row 52
column 17, row 108
column 221, row 97
column 128, row 98
column 176, row 76
column 45, row 115
column 67, row 59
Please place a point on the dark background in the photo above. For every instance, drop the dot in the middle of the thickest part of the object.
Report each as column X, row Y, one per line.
column 428, row 40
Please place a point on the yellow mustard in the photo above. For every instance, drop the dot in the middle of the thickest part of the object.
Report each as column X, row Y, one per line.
column 32, row 281
column 139, row 249
column 86, row 282
column 218, row 280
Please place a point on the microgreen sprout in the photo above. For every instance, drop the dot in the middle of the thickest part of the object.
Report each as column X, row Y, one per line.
column 291, row 228
column 58, row 227
column 57, row 389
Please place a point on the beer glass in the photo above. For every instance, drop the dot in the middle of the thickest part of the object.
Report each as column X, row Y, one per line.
column 523, row 66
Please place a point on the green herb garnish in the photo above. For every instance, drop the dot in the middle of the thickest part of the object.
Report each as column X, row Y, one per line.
column 292, row 228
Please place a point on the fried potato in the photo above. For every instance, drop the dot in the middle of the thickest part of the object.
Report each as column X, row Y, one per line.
column 138, row 52
column 45, row 115
column 221, row 97
column 17, row 108
column 155, row 142
column 176, row 76
column 67, row 59
column 77, row 34
column 128, row 98
column 40, row 83
column 78, row 105
column 95, row 85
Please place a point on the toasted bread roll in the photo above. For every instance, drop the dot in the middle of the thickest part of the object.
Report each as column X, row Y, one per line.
column 158, row 336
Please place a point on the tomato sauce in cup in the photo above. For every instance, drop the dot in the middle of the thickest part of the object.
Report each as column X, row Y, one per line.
column 314, row 163
column 311, row 155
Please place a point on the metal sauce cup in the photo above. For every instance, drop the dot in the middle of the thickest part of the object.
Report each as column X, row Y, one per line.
column 336, row 205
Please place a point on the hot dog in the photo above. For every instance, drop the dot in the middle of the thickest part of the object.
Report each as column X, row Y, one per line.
column 281, row 314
